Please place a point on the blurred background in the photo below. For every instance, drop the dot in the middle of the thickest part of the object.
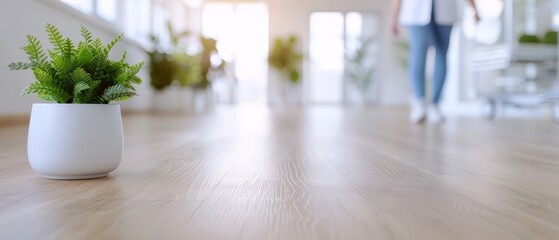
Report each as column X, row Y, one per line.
column 202, row 54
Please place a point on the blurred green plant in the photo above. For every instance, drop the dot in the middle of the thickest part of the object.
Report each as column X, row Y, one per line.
column 162, row 70
column 176, row 66
column 404, row 49
column 286, row 59
column 171, row 66
column 550, row 37
column 528, row 38
column 187, row 69
column 357, row 69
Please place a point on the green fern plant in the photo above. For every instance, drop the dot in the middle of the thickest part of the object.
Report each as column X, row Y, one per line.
column 78, row 74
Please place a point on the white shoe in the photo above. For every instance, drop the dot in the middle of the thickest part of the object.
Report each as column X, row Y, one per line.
column 434, row 114
column 418, row 111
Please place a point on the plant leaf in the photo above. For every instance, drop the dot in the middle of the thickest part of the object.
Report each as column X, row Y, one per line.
column 43, row 76
column 47, row 91
column 20, row 66
column 86, row 34
column 34, row 50
column 84, row 55
column 112, row 44
column 80, row 87
column 116, row 92
column 55, row 38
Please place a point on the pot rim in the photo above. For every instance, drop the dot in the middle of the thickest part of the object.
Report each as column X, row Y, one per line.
column 76, row 104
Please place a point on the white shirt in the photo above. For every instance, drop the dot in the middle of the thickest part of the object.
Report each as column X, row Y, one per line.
column 418, row 12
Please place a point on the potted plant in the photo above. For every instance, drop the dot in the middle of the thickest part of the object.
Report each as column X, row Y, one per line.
column 359, row 71
column 163, row 66
column 79, row 136
column 180, row 78
column 162, row 71
column 285, row 59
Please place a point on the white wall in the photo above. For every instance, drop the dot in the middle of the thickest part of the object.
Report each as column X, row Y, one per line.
column 29, row 17
column 292, row 17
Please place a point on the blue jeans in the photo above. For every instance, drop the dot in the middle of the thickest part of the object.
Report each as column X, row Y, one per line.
column 421, row 38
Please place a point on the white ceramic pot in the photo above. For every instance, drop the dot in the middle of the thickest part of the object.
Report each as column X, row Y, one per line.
column 75, row 141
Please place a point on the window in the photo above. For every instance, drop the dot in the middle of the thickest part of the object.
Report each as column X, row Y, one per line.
column 160, row 28
column 106, row 9
column 334, row 38
column 85, row 6
column 137, row 18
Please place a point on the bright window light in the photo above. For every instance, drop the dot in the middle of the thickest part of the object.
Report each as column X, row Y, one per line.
column 107, row 9
column 137, row 17
column 85, row 6
column 160, row 28
column 241, row 30
column 326, row 56
column 353, row 27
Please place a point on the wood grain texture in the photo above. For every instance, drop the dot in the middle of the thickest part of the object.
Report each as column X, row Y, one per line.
column 319, row 173
column 12, row 121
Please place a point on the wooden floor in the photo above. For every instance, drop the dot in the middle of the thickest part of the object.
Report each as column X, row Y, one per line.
column 322, row 173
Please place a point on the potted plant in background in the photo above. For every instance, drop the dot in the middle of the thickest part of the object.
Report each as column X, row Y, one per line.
column 286, row 60
column 359, row 71
column 80, row 136
column 167, row 73
column 181, row 80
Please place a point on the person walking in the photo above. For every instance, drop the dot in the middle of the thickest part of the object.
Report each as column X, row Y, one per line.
column 429, row 23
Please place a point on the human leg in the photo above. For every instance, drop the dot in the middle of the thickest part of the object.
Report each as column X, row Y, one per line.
column 442, row 42
column 441, row 34
column 419, row 43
